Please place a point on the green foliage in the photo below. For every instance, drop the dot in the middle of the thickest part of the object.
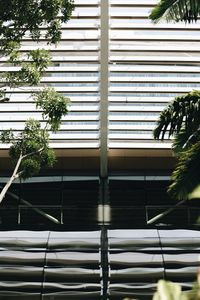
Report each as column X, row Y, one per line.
column 167, row 290
column 3, row 97
column 181, row 120
column 30, row 167
column 48, row 158
column 182, row 111
column 31, row 71
column 54, row 106
column 28, row 17
column 184, row 139
column 21, row 16
column 31, row 139
column 54, row 31
column 8, row 47
column 32, row 145
column 186, row 176
column 13, row 52
column 2, row 93
column 7, row 136
column 176, row 10
column 18, row 18
column 41, row 59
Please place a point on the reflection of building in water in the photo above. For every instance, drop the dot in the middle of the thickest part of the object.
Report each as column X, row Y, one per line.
column 85, row 229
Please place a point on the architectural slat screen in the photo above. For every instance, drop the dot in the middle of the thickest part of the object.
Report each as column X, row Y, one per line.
column 139, row 258
column 50, row 265
column 69, row 265
column 148, row 65
column 74, row 72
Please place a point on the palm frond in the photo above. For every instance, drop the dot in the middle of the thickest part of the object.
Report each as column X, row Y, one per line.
column 176, row 10
column 186, row 175
column 183, row 111
column 184, row 139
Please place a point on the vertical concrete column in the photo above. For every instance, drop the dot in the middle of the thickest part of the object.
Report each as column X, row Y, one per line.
column 104, row 208
column 104, row 85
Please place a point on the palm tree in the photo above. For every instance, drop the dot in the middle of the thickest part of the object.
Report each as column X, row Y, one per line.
column 181, row 119
column 176, row 10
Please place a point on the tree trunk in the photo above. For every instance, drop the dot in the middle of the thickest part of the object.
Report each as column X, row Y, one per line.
column 15, row 173
column 12, row 178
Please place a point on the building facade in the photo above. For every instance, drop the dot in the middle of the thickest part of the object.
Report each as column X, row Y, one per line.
column 85, row 229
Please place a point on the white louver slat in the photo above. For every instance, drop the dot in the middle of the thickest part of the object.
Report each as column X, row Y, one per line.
column 149, row 65
column 74, row 72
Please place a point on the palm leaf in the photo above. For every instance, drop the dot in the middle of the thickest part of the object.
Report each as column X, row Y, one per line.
column 183, row 111
column 184, row 139
column 186, row 176
column 176, row 10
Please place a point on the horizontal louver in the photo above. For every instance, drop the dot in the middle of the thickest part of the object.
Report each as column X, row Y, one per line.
column 50, row 265
column 139, row 258
column 74, row 72
column 149, row 65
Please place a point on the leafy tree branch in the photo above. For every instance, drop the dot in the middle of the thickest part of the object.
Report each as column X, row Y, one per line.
column 20, row 18
column 176, row 11
column 180, row 120
column 29, row 150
